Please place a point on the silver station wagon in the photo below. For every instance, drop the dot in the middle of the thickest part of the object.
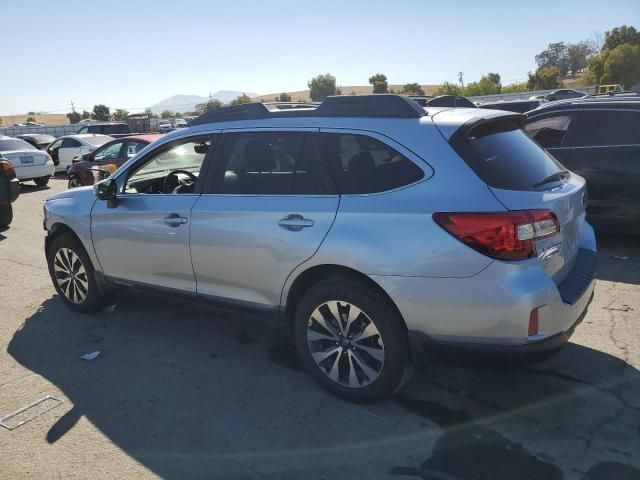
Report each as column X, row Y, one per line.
column 370, row 227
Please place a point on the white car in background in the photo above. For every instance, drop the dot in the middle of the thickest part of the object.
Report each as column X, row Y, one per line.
column 66, row 148
column 28, row 162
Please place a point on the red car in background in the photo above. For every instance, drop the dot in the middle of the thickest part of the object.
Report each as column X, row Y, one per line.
column 95, row 166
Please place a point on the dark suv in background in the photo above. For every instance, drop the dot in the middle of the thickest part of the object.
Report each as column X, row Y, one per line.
column 599, row 139
column 112, row 129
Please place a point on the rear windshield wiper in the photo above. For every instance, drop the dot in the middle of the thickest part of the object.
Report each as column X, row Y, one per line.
column 559, row 175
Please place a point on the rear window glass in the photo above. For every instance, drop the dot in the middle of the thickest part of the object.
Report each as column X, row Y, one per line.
column 362, row 164
column 15, row 144
column 509, row 160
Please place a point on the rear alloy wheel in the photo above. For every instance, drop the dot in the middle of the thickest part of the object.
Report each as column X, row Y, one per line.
column 6, row 215
column 42, row 181
column 73, row 275
column 74, row 182
column 352, row 340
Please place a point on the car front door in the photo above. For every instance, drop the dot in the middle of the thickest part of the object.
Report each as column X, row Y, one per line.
column 68, row 151
column 266, row 208
column 143, row 237
column 54, row 150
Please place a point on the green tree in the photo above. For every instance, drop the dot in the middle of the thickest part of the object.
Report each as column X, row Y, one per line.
column 244, row 98
column 31, row 113
column 210, row 105
column 177, row 115
column 488, row 84
column 555, row 55
column 544, row 78
column 74, row 117
column 321, row 87
column 101, row 113
column 85, row 115
column 619, row 36
column 379, row 82
column 577, row 54
column 120, row 115
column 284, row 97
column 515, row 88
column 412, row 89
column 623, row 66
column 31, row 118
column 448, row 88
column 166, row 114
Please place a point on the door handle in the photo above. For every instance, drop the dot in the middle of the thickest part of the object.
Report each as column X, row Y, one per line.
column 175, row 220
column 295, row 222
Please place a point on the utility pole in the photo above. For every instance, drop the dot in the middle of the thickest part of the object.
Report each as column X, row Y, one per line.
column 461, row 78
column 73, row 109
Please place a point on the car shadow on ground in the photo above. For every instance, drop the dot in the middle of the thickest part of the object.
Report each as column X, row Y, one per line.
column 190, row 393
column 26, row 188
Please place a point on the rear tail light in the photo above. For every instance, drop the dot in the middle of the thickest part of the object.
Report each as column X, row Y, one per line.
column 501, row 235
column 7, row 168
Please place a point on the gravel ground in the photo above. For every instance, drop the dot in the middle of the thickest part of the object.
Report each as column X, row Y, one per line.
column 179, row 391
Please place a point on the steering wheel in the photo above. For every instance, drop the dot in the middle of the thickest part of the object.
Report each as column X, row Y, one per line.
column 166, row 184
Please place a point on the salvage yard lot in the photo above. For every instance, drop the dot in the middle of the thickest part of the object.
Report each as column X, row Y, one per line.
column 181, row 392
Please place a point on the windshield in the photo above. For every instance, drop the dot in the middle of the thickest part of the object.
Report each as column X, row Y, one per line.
column 98, row 139
column 15, row 144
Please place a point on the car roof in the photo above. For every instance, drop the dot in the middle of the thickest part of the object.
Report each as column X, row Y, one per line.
column 151, row 137
column 82, row 136
column 517, row 100
column 589, row 102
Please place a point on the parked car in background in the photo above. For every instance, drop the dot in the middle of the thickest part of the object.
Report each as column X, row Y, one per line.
column 113, row 129
column 38, row 140
column 66, row 148
column 179, row 123
column 517, row 106
column 9, row 191
column 563, row 94
column 164, row 126
column 94, row 166
column 28, row 162
column 598, row 138
column 364, row 226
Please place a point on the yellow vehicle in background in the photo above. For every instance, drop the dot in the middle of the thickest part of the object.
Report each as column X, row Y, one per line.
column 604, row 89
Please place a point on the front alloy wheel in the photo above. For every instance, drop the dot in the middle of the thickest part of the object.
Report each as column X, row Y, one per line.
column 70, row 275
column 345, row 344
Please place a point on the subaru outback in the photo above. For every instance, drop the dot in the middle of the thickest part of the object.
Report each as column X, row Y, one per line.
column 369, row 226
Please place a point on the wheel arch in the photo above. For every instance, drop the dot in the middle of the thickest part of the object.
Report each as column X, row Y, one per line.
column 317, row 273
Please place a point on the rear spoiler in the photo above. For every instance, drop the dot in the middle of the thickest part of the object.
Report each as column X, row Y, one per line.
column 482, row 126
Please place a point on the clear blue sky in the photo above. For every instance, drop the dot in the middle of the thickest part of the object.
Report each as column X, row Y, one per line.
column 132, row 54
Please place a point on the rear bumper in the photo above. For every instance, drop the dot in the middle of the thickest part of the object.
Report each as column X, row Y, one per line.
column 34, row 171
column 491, row 310
column 12, row 190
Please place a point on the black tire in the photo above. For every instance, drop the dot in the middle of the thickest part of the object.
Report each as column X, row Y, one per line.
column 74, row 182
column 396, row 366
column 93, row 299
column 42, row 181
column 6, row 215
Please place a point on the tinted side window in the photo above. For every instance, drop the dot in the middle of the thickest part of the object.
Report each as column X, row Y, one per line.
column 362, row 164
column 607, row 127
column 108, row 153
column 83, row 130
column 269, row 163
column 549, row 132
column 70, row 143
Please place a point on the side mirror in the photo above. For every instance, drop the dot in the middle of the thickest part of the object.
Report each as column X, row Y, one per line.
column 87, row 157
column 106, row 190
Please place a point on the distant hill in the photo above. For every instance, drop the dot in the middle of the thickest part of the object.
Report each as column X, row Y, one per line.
column 303, row 95
column 187, row 103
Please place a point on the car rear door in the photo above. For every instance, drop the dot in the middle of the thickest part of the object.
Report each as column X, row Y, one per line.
column 606, row 151
column 267, row 208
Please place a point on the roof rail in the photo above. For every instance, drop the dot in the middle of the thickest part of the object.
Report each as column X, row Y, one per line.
column 375, row 106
